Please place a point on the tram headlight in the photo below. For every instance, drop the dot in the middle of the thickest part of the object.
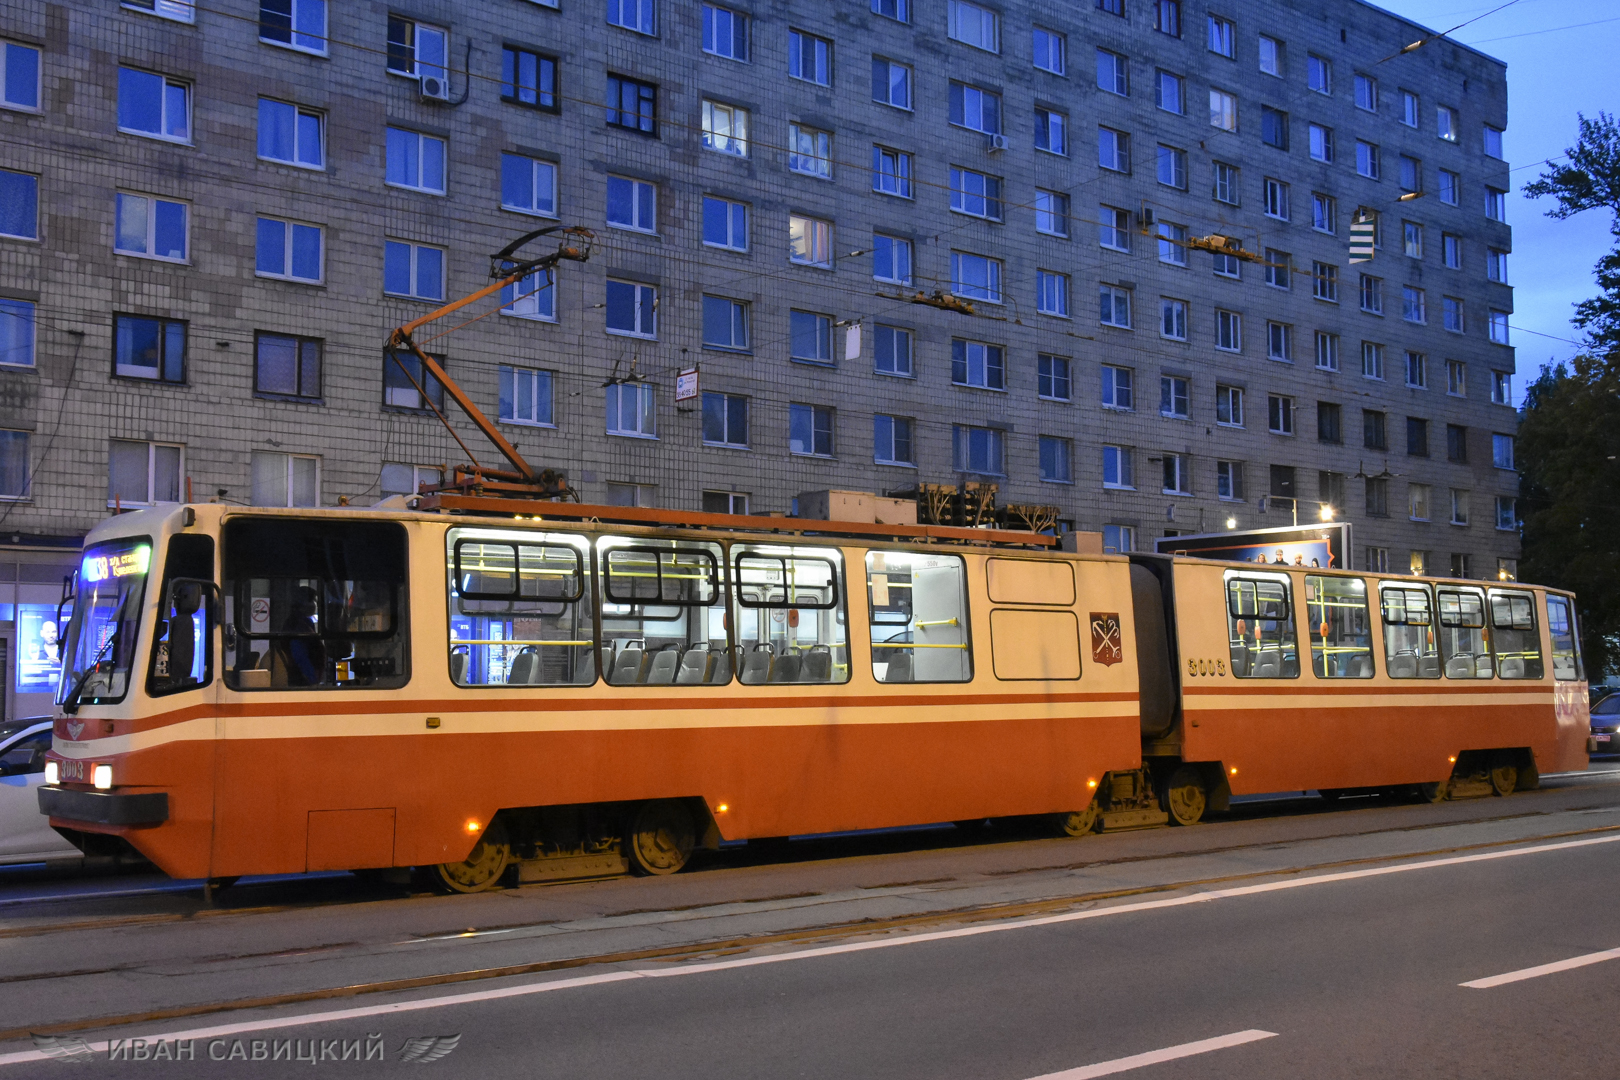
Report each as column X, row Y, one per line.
column 101, row 777
column 53, row 773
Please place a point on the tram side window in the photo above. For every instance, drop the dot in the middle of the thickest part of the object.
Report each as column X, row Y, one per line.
column 1341, row 632
column 663, row 613
column 1518, row 640
column 520, row 609
column 1260, row 625
column 182, row 647
column 791, row 625
column 1465, row 645
column 919, row 617
column 315, row 604
column 1410, row 650
column 1566, row 647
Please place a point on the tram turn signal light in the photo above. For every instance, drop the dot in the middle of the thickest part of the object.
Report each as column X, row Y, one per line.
column 1234, row 770
column 1452, row 759
column 53, row 773
column 101, row 777
column 722, row 808
column 474, row 827
column 1091, row 783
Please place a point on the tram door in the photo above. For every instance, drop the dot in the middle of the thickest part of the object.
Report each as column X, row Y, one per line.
column 940, row 621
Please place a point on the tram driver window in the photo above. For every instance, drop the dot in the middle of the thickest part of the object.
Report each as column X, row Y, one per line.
column 663, row 613
column 1465, row 646
column 1341, row 632
column 919, row 617
column 1518, row 639
column 1410, row 650
column 1566, row 646
column 1260, row 628
column 314, row 604
column 790, row 620
column 520, row 609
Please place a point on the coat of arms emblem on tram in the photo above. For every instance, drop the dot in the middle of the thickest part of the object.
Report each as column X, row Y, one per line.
column 1105, row 644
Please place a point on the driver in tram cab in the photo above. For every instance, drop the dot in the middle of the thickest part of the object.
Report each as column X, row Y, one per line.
column 303, row 658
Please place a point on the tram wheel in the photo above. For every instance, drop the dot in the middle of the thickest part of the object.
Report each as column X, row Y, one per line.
column 1434, row 792
column 1504, row 776
column 1184, row 796
column 483, row 866
column 660, row 837
column 1078, row 822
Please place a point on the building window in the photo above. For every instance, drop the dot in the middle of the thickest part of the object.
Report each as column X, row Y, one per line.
column 1501, row 388
column 810, row 241
column 725, row 223
column 1226, row 182
column 1409, row 108
column 1114, row 228
column 975, row 363
column 1279, row 342
column 1220, row 36
column 179, row 10
column 1271, row 56
column 1321, row 143
column 978, row 450
column 1418, row 501
column 1507, row 513
column 1377, row 497
column 891, row 172
column 725, row 420
column 1372, row 360
column 1457, row 444
column 1229, row 405
column 151, row 227
column 1112, row 73
column 891, row 440
column 632, row 104
column 1499, row 327
column 1119, row 467
column 528, row 78
column 1172, row 167
column 1172, row 244
column 1319, row 74
column 1175, row 397
column 1051, row 131
column 974, row 25
column 289, row 250
column 809, row 58
column 1493, row 142
column 632, row 204
column 1452, row 313
column 975, row 109
column 1223, row 110
column 1228, row 331
column 16, row 333
column 725, row 323
column 150, row 349
column 15, row 470
column 1051, row 51
column 898, row 10
column 414, row 270
column 1115, row 306
column 1113, row 150
column 528, row 186
column 1177, row 474
column 1372, row 294
column 286, row 479
column 1051, row 213
column 891, row 83
column 630, row 494
column 1378, row 560
column 148, row 104
column 19, row 77
column 398, row 478
column 1328, row 427
column 632, row 410
column 632, row 309
column 1056, row 460
column 287, row 366
column 1228, row 265
column 1325, row 281
column 1502, row 451
column 526, row 396
column 1417, row 437
column 1413, row 305
column 1173, row 318
column 1167, row 17
column 725, row 32
column 891, row 259
column 534, row 296
column 810, row 430
column 1052, row 293
column 1122, row 538
column 1170, row 92
column 637, row 15
column 1495, row 204
column 810, row 337
column 1229, row 480
column 975, row 194
column 725, row 129
column 417, row 50
column 1327, row 351
column 19, row 205
column 1451, row 251
column 976, row 276
column 1417, row 370
column 1277, row 264
column 402, row 375
column 1450, row 187
column 1280, row 413
column 1495, row 263
column 809, row 151
column 1324, row 213
column 1412, row 239
column 1411, row 174
column 291, row 135
column 1445, row 122
column 143, row 473
column 1374, row 430
column 415, row 161
column 1367, row 160
column 1366, row 93
column 891, row 351
column 1052, row 377
column 1274, row 127
column 1116, row 388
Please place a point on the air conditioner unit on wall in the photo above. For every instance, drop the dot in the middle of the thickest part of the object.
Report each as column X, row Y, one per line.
column 997, row 142
column 435, row 88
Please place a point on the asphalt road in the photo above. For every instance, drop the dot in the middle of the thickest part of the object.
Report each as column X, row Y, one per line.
column 1291, row 941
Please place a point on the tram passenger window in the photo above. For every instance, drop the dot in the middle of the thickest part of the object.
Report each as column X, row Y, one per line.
column 1260, row 626
column 663, row 612
column 790, row 621
column 520, row 609
column 1465, row 646
column 1566, row 646
column 1341, row 632
column 919, row 617
column 1518, row 639
column 1410, row 649
column 315, row 604
column 182, row 642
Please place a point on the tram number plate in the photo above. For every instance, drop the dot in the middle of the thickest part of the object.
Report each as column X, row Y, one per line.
column 70, row 769
column 1198, row 666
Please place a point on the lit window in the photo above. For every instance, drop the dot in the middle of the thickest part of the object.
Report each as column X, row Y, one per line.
column 810, row 241
column 1445, row 122
column 725, row 129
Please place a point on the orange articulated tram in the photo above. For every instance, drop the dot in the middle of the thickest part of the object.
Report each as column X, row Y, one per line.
column 468, row 685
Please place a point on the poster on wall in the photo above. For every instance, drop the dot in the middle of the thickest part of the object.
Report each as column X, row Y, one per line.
column 39, row 649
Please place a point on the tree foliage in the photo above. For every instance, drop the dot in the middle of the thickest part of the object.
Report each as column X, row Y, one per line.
column 1591, row 181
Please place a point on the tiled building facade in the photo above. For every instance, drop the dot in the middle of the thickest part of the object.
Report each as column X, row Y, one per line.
column 214, row 214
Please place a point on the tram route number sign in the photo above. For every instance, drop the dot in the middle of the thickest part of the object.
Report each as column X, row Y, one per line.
column 1106, row 648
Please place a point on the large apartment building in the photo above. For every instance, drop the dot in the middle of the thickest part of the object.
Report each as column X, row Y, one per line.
column 214, row 213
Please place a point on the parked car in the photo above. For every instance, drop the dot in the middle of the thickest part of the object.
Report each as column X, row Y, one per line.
column 26, row 835
column 1606, row 725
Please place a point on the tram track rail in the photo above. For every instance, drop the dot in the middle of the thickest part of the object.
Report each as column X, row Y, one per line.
column 710, row 948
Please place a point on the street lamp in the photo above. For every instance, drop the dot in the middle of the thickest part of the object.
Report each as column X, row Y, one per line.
column 1231, row 523
column 1327, row 512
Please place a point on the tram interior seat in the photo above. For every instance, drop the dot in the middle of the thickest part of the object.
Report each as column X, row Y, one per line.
column 630, row 665
column 1242, row 657
column 1360, row 666
column 720, row 669
column 695, row 665
column 1268, row 664
column 900, row 667
column 1429, row 666
column 817, row 665
column 458, row 666
column 1403, row 665
column 757, row 664
column 786, row 668
column 1460, row 667
column 1513, row 667
column 525, row 668
column 662, row 668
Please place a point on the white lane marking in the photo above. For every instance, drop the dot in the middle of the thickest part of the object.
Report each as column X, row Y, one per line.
column 1153, row 1057
column 1543, row 969
column 682, row 970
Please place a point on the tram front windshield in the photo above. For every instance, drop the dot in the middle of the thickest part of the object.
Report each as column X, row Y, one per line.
column 99, row 646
